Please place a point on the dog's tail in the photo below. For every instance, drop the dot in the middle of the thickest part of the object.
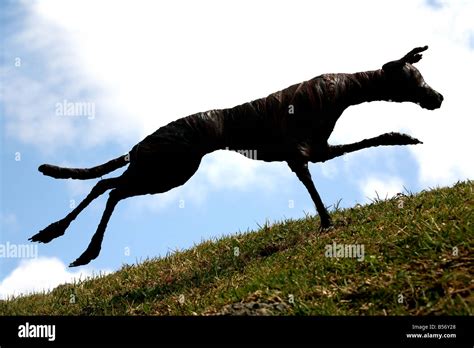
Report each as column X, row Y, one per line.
column 84, row 173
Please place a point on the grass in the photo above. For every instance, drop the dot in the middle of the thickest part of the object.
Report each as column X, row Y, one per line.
column 418, row 260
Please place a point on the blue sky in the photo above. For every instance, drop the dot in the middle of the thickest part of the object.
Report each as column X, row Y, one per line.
column 142, row 66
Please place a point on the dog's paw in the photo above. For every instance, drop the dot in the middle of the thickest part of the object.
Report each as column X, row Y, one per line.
column 409, row 140
column 80, row 262
column 87, row 256
column 324, row 229
column 326, row 224
column 395, row 138
column 56, row 229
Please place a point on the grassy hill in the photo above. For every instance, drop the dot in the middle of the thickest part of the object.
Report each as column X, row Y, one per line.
column 418, row 259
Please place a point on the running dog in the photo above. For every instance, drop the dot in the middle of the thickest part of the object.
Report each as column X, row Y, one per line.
column 292, row 125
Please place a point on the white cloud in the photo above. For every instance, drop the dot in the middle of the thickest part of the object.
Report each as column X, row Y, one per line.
column 329, row 169
column 172, row 59
column 219, row 171
column 79, row 188
column 8, row 222
column 181, row 196
column 385, row 187
column 445, row 66
column 36, row 275
column 228, row 169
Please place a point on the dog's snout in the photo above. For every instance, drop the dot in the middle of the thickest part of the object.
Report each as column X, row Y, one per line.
column 432, row 100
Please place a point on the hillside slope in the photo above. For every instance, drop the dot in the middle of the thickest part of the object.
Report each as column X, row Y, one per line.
column 410, row 255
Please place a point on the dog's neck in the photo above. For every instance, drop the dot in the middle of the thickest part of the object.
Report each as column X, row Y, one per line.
column 363, row 87
column 343, row 90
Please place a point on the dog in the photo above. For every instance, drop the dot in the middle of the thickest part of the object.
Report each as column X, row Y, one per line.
column 292, row 125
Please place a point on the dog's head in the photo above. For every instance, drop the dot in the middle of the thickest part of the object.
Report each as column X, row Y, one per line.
column 405, row 83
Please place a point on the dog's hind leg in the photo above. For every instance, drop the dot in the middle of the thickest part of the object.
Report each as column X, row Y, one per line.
column 95, row 244
column 58, row 228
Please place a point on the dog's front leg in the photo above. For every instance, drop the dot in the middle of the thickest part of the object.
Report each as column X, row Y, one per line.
column 302, row 172
column 386, row 139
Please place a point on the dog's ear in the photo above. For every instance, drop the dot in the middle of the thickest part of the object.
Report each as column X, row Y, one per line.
column 414, row 55
column 411, row 57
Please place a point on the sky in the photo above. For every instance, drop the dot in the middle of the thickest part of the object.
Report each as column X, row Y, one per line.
column 140, row 65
